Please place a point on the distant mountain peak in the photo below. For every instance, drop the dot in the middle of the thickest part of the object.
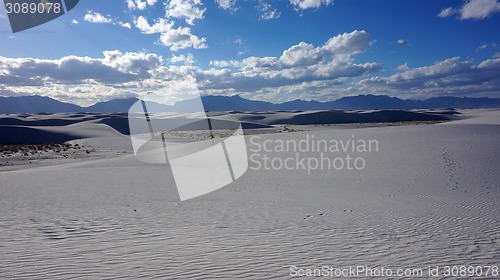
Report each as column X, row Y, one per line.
column 43, row 104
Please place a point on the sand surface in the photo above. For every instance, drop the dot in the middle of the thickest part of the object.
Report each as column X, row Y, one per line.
column 429, row 196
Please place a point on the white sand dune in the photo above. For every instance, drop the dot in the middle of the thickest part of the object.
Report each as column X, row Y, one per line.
column 429, row 196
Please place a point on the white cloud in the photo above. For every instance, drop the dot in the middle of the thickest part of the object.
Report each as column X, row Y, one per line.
column 313, row 90
column 82, row 79
column 266, row 11
column 302, row 54
column 320, row 75
column 132, row 62
column 447, row 12
column 74, row 22
column 259, row 65
column 450, row 76
column 115, row 67
column 307, row 4
column 348, row 43
column 300, row 63
column 186, row 59
column 159, row 26
column 125, row 24
column 440, row 69
column 403, row 67
column 482, row 47
column 479, row 9
column 229, row 5
column 140, row 4
column 225, row 63
column 187, row 9
column 303, row 66
column 181, row 38
column 402, row 42
column 473, row 9
column 94, row 17
column 176, row 39
column 342, row 45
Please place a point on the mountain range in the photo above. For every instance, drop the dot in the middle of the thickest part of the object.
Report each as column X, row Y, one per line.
column 42, row 104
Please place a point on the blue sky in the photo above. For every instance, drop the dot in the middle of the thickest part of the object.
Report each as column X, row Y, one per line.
column 260, row 49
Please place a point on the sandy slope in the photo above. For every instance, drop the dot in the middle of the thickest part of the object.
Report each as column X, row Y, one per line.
column 429, row 196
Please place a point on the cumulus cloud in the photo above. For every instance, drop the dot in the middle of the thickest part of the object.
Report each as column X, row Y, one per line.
column 94, row 17
column 450, row 76
column 302, row 66
column 299, row 63
column 348, row 43
column 308, row 4
column 342, row 45
column 302, row 54
column 181, row 38
column 312, row 90
column 303, row 70
column 74, row 22
column 403, row 67
column 187, row 9
column 125, row 24
column 140, row 4
column 185, row 59
column 159, row 26
column 82, row 79
column 115, row 67
column 229, row 5
column 225, row 63
column 176, row 39
column 136, row 63
column 473, row 9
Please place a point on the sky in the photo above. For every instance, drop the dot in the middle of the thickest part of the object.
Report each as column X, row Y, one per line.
column 259, row 49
